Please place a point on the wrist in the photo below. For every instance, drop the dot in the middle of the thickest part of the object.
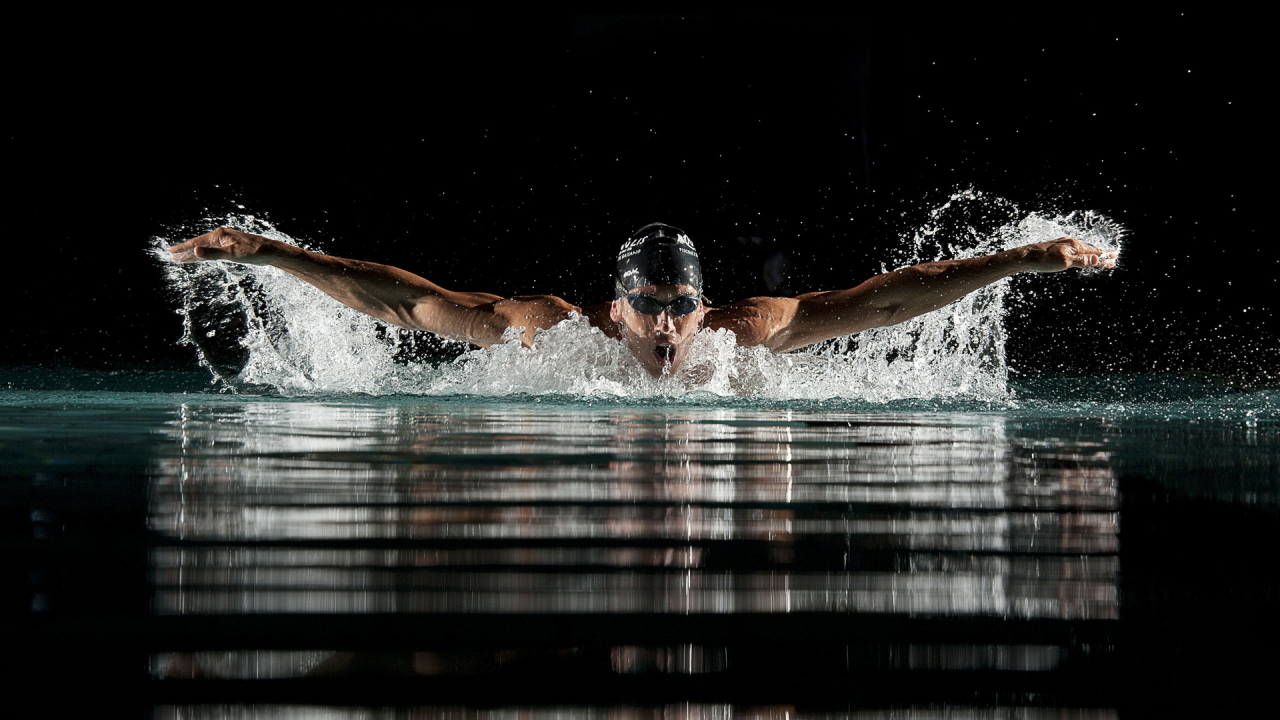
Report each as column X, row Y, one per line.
column 1011, row 261
column 285, row 256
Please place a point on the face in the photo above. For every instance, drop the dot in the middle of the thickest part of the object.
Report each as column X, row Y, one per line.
column 659, row 341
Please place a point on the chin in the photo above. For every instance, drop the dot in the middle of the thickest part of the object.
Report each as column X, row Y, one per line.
column 658, row 359
column 657, row 367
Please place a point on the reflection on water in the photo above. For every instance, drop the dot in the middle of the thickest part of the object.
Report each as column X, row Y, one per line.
column 233, row 557
column 1046, row 587
column 684, row 659
column 309, row 508
column 681, row 711
column 456, row 510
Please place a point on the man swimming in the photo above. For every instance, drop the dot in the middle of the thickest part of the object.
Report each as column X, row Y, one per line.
column 658, row 302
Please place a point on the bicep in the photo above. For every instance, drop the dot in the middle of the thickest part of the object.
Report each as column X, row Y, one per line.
column 818, row 317
column 786, row 324
column 478, row 325
column 533, row 313
column 755, row 321
column 471, row 299
column 465, row 316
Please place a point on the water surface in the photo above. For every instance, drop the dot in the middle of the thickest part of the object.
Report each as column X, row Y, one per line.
column 1089, row 546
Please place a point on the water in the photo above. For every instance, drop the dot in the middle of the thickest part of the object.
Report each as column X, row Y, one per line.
column 259, row 329
column 340, row 554
column 338, row 519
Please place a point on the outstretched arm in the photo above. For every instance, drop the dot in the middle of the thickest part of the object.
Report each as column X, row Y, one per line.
column 384, row 292
column 784, row 324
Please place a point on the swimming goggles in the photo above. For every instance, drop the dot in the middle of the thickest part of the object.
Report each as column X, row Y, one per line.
column 646, row 305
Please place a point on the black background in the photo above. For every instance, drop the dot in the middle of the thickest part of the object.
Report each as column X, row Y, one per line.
column 512, row 154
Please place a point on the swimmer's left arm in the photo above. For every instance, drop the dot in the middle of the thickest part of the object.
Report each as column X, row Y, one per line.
column 785, row 324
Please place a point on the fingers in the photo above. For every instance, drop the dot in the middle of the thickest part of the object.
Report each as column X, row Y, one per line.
column 199, row 253
column 201, row 248
column 209, row 253
column 1092, row 259
column 1082, row 255
column 217, row 238
column 1085, row 260
column 1088, row 256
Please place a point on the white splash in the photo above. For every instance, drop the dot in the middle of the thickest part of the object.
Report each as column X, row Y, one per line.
column 290, row 338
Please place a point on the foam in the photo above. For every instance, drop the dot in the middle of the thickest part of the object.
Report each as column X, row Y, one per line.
column 258, row 328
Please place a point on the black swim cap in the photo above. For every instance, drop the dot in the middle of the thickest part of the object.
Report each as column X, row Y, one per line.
column 658, row 254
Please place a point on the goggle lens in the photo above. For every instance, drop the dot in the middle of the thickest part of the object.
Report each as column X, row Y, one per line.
column 646, row 305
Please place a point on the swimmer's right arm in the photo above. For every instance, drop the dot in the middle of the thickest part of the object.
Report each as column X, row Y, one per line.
column 387, row 293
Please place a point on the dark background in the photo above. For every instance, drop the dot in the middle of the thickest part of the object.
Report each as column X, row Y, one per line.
column 512, row 154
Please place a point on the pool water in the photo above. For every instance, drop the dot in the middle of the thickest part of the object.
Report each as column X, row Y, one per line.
column 1088, row 547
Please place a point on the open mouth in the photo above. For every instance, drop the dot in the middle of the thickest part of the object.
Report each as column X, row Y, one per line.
column 664, row 353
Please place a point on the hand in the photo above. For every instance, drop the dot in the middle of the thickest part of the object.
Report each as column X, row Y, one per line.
column 227, row 244
column 1062, row 254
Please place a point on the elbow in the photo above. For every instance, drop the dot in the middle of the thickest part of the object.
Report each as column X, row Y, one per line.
column 403, row 315
column 894, row 314
column 411, row 314
column 884, row 315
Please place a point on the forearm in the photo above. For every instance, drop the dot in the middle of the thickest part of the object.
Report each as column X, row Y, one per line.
column 903, row 294
column 784, row 324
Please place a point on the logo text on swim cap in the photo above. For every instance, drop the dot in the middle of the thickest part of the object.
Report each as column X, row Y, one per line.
column 630, row 248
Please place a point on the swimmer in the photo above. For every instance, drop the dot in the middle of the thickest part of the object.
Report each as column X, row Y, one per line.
column 658, row 303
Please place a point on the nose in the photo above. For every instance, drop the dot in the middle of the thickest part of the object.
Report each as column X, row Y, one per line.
column 665, row 322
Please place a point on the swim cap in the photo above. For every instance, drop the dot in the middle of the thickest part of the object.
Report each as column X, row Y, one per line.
column 658, row 254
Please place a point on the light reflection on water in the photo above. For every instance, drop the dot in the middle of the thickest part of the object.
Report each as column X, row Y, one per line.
column 335, row 555
column 288, row 508
column 681, row 711
column 684, row 659
column 960, row 564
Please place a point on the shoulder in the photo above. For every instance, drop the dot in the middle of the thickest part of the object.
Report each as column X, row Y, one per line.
column 755, row 321
column 599, row 316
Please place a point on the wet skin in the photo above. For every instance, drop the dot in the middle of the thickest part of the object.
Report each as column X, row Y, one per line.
column 659, row 341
